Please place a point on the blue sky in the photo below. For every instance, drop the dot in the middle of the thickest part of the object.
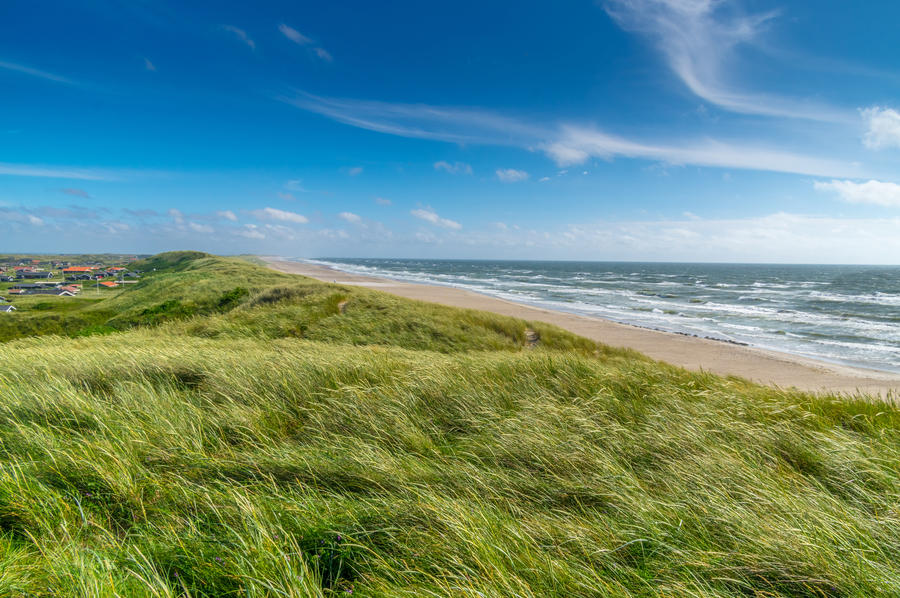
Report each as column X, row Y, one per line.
column 695, row 130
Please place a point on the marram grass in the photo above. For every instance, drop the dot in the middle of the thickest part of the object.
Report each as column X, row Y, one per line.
column 283, row 448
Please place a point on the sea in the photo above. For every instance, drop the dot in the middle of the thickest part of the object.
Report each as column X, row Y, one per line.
column 840, row 314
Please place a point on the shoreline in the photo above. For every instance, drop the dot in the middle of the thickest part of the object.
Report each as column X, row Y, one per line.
column 772, row 368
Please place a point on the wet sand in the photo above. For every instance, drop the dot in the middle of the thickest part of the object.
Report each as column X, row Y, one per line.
column 767, row 367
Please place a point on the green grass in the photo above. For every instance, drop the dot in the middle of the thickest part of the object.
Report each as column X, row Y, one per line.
column 281, row 442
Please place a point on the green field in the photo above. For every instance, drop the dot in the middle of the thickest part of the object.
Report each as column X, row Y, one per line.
column 220, row 429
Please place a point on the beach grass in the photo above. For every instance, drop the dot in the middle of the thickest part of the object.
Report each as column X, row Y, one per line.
column 240, row 432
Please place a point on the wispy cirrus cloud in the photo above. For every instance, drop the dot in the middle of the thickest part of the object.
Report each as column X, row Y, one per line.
column 576, row 144
column 33, row 72
column 420, row 121
column 294, row 35
column 241, row 35
column 303, row 40
column 429, row 215
column 323, row 54
column 873, row 192
column 565, row 144
column 57, row 172
column 699, row 40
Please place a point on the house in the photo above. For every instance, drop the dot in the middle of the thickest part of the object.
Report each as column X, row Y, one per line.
column 7, row 309
column 78, row 270
column 109, row 284
column 72, row 288
column 34, row 274
column 16, row 292
column 54, row 292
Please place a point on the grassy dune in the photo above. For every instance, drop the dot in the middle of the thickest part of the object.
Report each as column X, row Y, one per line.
column 248, row 433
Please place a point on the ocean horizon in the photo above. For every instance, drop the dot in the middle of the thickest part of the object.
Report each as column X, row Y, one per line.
column 841, row 314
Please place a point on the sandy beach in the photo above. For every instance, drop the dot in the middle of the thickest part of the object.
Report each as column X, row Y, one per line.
column 767, row 367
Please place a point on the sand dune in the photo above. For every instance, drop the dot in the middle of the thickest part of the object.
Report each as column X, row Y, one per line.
column 767, row 367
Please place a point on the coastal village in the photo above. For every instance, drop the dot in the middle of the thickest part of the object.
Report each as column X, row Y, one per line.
column 57, row 278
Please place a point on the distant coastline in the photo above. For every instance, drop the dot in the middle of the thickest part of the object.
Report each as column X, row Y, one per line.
column 773, row 368
column 841, row 314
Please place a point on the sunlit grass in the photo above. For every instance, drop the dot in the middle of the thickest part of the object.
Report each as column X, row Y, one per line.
column 282, row 448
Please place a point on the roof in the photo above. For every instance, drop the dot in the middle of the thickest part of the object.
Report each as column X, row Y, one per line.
column 109, row 284
column 7, row 308
column 79, row 269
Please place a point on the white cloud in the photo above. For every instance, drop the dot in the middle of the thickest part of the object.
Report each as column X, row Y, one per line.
column 350, row 217
column 543, row 179
column 871, row 192
column 355, row 171
column 251, row 231
column 285, row 196
column 566, row 145
column 564, row 154
column 455, row 168
column 429, row 215
column 700, row 153
column 27, row 70
column 241, row 35
column 419, row 121
column 200, row 228
column 227, row 215
column 21, row 215
column 294, row 35
column 698, row 39
column 279, row 215
column 323, row 54
column 383, row 201
column 176, row 216
column 511, row 175
column 149, row 65
column 883, row 127
column 779, row 237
